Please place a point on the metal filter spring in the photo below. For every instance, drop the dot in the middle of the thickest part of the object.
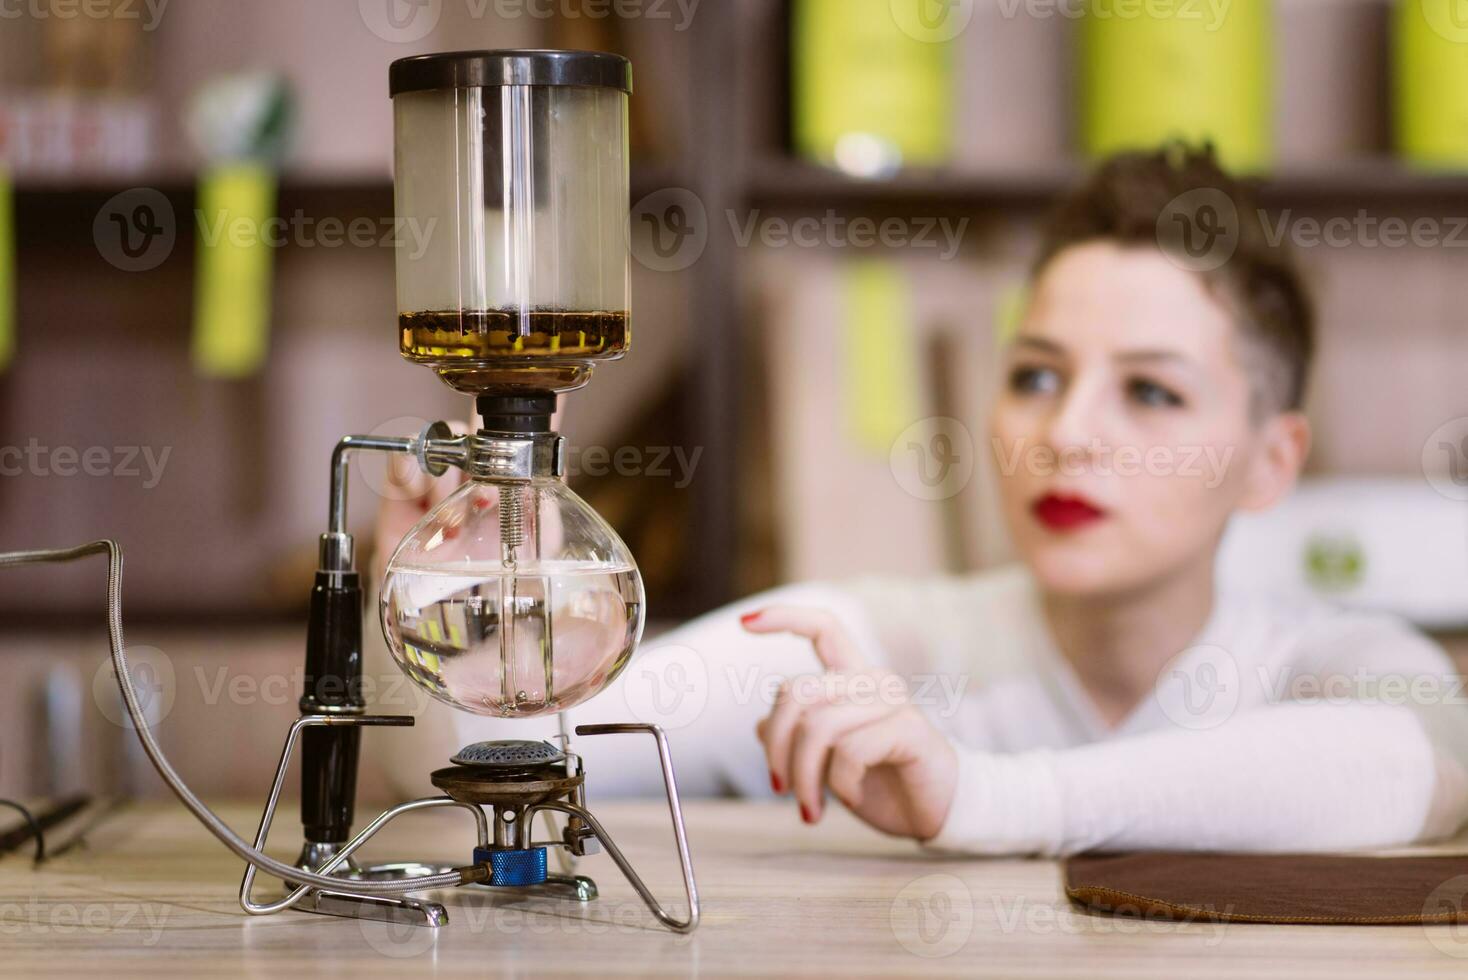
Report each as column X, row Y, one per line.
column 512, row 520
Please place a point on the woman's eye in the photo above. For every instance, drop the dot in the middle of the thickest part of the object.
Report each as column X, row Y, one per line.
column 1034, row 380
column 1152, row 395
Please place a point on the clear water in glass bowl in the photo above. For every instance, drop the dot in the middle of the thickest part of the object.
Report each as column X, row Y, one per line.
column 512, row 639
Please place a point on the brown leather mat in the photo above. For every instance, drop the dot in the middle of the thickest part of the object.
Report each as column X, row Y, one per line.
column 1302, row 889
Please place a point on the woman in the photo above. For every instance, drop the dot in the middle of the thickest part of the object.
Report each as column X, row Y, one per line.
column 1104, row 694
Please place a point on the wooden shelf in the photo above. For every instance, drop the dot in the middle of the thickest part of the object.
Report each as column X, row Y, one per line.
column 645, row 180
column 1366, row 179
column 789, row 181
column 794, row 182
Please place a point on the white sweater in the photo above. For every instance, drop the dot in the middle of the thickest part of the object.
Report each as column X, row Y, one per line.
column 1280, row 729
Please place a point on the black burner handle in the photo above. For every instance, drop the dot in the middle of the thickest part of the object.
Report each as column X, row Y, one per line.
column 333, row 684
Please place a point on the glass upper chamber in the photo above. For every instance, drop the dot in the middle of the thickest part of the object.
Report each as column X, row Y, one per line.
column 512, row 597
column 511, row 188
column 512, row 600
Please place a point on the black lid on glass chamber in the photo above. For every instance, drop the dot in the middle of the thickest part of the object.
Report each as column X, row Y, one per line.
column 483, row 69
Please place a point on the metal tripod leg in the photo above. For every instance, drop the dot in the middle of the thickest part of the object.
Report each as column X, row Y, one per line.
column 407, row 911
column 582, row 888
column 397, row 909
column 670, row 785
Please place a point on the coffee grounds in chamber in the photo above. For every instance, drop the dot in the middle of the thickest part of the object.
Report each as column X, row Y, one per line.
column 475, row 335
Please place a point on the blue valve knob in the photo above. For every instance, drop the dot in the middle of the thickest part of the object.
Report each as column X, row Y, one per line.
column 514, row 867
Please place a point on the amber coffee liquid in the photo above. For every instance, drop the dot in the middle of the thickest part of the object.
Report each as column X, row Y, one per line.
column 485, row 350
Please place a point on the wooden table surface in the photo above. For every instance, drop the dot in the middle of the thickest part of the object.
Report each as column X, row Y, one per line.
column 154, row 895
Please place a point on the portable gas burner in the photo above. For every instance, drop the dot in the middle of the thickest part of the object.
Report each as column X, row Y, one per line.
column 516, row 779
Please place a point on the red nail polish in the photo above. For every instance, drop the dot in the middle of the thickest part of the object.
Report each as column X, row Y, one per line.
column 775, row 783
column 805, row 814
column 748, row 618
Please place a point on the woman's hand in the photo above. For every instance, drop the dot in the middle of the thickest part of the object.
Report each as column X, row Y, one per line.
column 852, row 729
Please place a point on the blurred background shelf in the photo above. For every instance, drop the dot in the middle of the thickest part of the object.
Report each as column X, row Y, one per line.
column 792, row 182
column 1380, row 179
column 714, row 115
column 795, row 183
column 182, row 183
column 741, row 358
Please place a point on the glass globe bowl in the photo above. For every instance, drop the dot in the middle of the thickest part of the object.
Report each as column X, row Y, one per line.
column 512, row 600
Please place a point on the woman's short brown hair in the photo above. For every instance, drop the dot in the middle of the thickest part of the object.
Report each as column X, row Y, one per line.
column 1138, row 199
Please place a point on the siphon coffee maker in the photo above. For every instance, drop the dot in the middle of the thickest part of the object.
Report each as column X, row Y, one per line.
column 512, row 598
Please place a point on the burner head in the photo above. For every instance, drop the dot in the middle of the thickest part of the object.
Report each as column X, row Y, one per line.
column 507, row 773
column 508, row 754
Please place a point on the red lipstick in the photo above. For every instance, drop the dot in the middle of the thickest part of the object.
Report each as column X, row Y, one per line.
column 1065, row 513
